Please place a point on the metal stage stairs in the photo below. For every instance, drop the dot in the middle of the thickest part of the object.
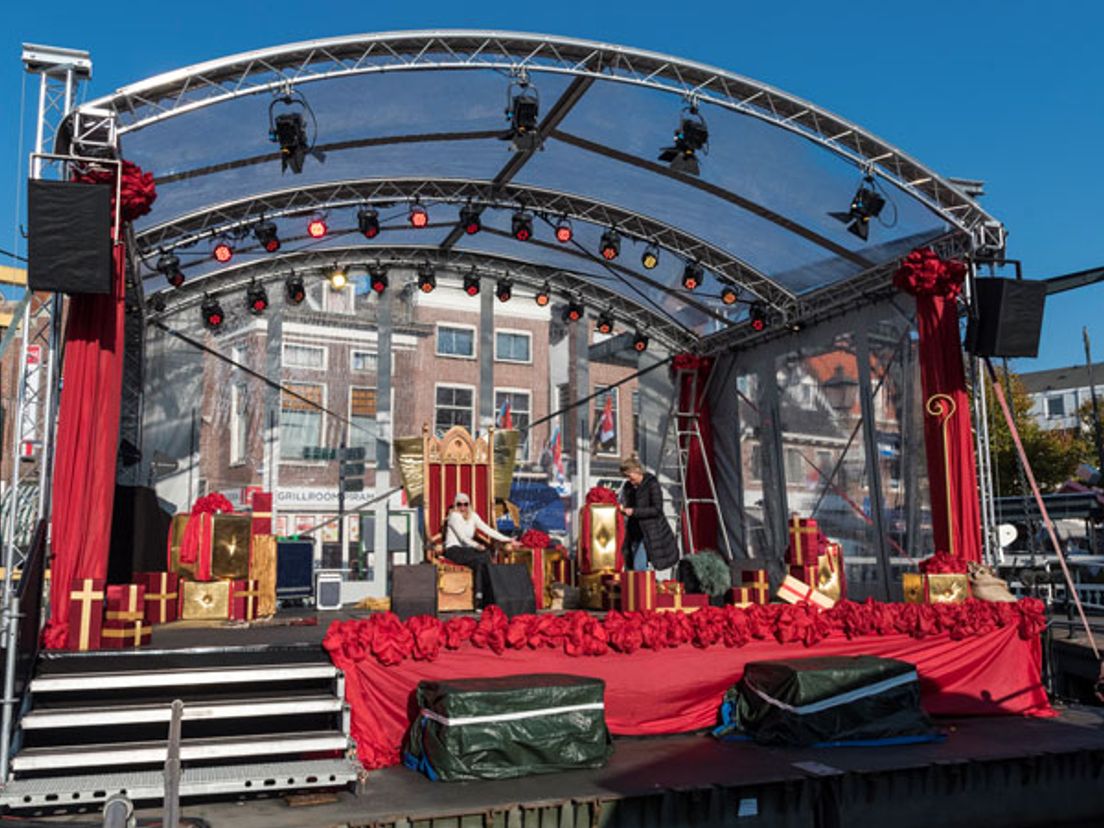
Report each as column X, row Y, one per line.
column 96, row 725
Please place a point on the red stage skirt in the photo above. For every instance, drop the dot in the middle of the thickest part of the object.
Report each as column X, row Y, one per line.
column 650, row 692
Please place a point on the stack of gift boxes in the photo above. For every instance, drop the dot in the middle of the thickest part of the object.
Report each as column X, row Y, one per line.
column 815, row 567
column 942, row 579
column 234, row 578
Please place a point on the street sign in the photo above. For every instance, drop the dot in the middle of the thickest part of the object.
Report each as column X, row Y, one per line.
column 349, row 470
column 353, row 485
column 353, row 453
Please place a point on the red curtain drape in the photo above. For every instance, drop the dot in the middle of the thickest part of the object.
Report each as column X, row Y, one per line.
column 86, row 444
column 692, row 397
column 948, row 439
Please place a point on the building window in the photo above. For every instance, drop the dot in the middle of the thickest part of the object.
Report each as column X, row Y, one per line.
column 300, row 422
column 239, row 423
column 795, row 467
column 513, row 346
column 362, row 420
column 517, row 405
column 454, row 407
column 1056, row 406
column 304, row 356
column 755, row 464
column 824, row 462
column 363, row 361
column 606, row 425
column 455, row 342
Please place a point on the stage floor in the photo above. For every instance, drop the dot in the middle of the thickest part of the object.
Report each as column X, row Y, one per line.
column 989, row 771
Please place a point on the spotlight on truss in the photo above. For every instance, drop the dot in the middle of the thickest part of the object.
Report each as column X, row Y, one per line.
column 692, row 276
column 266, row 236
column 294, row 290
column 866, row 204
column 338, row 278
column 564, row 231
column 504, row 290
column 316, row 228
column 256, row 299
column 288, row 128
column 640, row 342
column 544, row 295
column 378, row 279
column 212, row 314
column 521, row 225
column 604, row 323
column 223, row 252
column 168, row 265
column 427, row 279
column 729, row 296
column 470, row 220
column 368, row 222
column 610, row 245
column 471, row 284
column 757, row 313
column 573, row 311
column 418, row 217
column 691, row 137
column 649, row 260
column 522, row 112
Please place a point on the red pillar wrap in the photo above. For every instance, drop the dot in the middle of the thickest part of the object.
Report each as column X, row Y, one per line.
column 702, row 516
column 86, row 445
column 948, row 441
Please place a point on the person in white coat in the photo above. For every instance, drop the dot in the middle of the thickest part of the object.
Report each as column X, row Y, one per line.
column 463, row 548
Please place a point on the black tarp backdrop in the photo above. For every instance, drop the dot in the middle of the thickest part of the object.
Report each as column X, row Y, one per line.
column 139, row 534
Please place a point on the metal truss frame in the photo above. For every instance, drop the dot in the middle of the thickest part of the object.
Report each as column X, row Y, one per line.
column 238, row 215
column 526, row 274
column 270, row 70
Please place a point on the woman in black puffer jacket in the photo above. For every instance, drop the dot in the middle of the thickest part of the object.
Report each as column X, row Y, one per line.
column 649, row 539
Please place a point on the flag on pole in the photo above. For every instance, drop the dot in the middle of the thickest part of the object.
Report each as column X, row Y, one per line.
column 505, row 418
column 607, row 426
column 559, row 472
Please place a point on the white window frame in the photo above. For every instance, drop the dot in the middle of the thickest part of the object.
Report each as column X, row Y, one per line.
column 528, row 444
column 239, row 451
column 461, row 385
column 460, row 327
column 369, row 451
column 321, row 427
column 513, row 332
column 352, row 361
column 1051, row 398
column 308, row 346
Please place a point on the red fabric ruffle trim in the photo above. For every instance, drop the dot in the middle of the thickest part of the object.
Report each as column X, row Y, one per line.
column 922, row 272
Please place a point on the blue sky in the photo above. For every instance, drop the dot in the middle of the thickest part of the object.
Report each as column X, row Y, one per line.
column 1008, row 92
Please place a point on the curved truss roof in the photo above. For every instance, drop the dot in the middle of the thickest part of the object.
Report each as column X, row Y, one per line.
column 418, row 116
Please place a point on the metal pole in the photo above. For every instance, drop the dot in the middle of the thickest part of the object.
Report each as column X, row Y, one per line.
column 873, row 466
column 1095, row 405
column 171, row 813
column 11, row 627
column 343, row 556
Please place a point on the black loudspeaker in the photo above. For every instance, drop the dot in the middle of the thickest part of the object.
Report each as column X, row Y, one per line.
column 1008, row 318
column 510, row 589
column 68, row 237
column 414, row 590
column 139, row 534
column 294, row 569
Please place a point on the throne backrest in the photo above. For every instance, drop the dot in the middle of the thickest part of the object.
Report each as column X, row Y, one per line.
column 454, row 463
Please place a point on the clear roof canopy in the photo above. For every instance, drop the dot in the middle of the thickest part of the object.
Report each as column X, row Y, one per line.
column 419, row 116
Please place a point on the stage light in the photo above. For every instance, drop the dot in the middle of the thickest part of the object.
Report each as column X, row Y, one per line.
column 294, row 289
column 265, row 234
column 156, row 304
column 504, row 290
column 316, row 228
column 223, row 252
column 168, row 265
column 427, row 279
column 691, row 136
column 338, row 278
column 521, row 225
column 729, row 296
column 640, row 342
column 543, row 296
column 290, row 132
column 564, row 231
column 471, row 284
column 368, row 222
column 866, row 204
column 523, row 112
column 379, row 281
column 650, row 259
column 573, row 311
column 418, row 217
column 692, row 276
column 610, row 245
column 256, row 299
column 757, row 313
column 470, row 220
column 212, row 314
column 604, row 324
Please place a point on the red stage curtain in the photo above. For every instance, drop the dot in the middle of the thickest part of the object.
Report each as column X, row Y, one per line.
column 651, row 692
column 948, row 439
column 86, row 445
column 702, row 516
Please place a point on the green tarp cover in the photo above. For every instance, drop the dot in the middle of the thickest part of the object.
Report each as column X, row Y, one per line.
column 499, row 728
column 827, row 699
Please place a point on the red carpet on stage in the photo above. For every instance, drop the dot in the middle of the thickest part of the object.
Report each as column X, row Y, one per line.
column 987, row 671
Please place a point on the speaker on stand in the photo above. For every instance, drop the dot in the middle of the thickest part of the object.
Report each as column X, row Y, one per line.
column 1007, row 317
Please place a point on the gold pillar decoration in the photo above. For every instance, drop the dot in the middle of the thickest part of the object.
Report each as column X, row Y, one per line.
column 943, row 405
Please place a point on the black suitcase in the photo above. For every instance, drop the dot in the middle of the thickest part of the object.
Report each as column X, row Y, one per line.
column 414, row 590
column 511, row 589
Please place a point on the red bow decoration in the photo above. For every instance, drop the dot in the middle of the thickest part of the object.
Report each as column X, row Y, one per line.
column 923, row 272
column 137, row 190
column 600, row 494
column 213, row 503
column 535, row 539
column 942, row 563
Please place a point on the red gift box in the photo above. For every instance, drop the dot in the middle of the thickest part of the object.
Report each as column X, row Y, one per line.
column 670, row 588
column 806, row 542
column 262, row 513
column 740, row 596
column 243, row 599
column 86, row 602
column 807, row 574
column 681, row 602
column 758, row 585
column 118, row 635
column 799, row 592
column 126, row 602
column 638, row 590
column 563, row 570
column 162, row 598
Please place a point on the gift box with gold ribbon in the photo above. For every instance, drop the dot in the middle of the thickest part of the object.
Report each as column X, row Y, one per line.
column 601, row 535
column 935, row 588
column 119, row 635
column 794, row 591
column 600, row 590
column 223, row 546
column 563, row 569
column 670, row 588
column 638, row 590
column 680, row 601
column 204, row 600
column 806, row 542
column 262, row 569
column 757, row 583
column 261, row 514
column 162, row 596
column 126, row 602
column 535, row 563
column 244, row 597
column 86, row 610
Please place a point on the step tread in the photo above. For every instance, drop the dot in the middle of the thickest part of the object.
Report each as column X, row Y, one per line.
column 69, row 682
column 162, row 711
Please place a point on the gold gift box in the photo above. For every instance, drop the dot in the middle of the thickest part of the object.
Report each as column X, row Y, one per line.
column 205, row 600
column 603, row 536
column 549, row 558
column 228, row 542
column 940, row 588
column 263, row 571
column 600, row 590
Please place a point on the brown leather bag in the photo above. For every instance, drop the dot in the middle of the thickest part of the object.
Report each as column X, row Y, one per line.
column 986, row 586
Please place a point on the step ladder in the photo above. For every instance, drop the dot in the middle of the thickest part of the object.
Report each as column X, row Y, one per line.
column 688, row 439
